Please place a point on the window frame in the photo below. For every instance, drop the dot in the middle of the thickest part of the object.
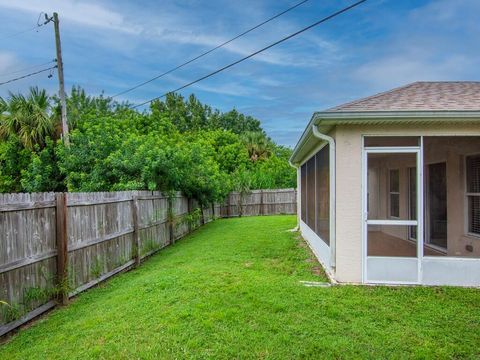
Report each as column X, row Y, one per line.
column 469, row 195
column 390, row 193
column 412, row 190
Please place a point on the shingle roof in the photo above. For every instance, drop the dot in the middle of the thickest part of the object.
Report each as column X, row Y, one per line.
column 420, row 96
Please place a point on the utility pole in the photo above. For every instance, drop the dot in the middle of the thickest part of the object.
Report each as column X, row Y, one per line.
column 63, row 103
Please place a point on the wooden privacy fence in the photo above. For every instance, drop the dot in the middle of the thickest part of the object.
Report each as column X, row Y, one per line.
column 260, row 202
column 56, row 245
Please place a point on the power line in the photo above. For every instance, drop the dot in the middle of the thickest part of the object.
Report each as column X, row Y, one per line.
column 256, row 52
column 28, row 68
column 28, row 75
column 211, row 50
column 36, row 27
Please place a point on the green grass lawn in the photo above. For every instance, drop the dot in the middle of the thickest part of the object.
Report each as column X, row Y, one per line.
column 232, row 290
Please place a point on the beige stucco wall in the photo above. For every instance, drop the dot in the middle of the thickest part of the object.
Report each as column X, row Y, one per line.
column 349, row 186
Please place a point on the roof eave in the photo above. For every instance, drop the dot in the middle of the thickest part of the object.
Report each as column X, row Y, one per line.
column 332, row 118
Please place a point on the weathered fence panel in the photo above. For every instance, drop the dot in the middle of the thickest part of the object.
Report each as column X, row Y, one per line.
column 260, row 202
column 100, row 235
column 105, row 233
column 280, row 201
column 27, row 252
column 154, row 232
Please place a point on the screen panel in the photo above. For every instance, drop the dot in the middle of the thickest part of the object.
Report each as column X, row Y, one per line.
column 323, row 194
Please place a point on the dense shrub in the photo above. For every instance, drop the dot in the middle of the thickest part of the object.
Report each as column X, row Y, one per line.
column 179, row 144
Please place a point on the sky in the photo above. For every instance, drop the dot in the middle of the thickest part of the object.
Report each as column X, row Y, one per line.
column 109, row 46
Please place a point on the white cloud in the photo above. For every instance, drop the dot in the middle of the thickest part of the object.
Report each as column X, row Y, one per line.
column 241, row 47
column 178, row 27
column 87, row 14
column 7, row 62
column 435, row 43
column 399, row 69
column 226, row 88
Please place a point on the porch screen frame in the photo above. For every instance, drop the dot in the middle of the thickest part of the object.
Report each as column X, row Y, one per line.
column 419, row 223
column 305, row 194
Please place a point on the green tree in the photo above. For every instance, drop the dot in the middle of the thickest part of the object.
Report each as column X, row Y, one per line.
column 42, row 172
column 28, row 117
column 13, row 158
column 259, row 147
column 180, row 144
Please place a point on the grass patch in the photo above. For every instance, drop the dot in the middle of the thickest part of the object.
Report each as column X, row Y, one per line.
column 232, row 290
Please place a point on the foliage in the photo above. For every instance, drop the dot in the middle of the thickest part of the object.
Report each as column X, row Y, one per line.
column 32, row 298
column 258, row 146
column 27, row 117
column 42, row 173
column 149, row 246
column 13, row 159
column 9, row 312
column 180, row 144
column 232, row 290
column 96, row 268
column 192, row 219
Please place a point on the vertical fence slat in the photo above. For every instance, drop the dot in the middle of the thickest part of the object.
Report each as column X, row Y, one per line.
column 262, row 205
column 62, row 251
column 136, row 231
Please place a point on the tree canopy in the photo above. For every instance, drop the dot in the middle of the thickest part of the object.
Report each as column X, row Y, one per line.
column 180, row 144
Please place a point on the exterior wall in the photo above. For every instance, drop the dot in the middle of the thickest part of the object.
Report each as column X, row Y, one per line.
column 349, row 248
column 348, row 142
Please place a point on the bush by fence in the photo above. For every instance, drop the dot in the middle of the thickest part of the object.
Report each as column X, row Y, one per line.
column 55, row 245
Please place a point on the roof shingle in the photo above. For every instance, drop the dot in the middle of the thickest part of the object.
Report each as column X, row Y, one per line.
column 420, row 96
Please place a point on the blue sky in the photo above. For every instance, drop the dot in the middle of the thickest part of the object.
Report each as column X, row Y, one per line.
column 111, row 45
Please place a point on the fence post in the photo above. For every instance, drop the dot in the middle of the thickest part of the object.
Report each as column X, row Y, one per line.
column 136, row 233
column 62, row 251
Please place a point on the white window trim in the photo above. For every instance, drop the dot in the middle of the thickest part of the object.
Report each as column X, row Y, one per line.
column 409, row 169
column 390, row 193
column 467, row 195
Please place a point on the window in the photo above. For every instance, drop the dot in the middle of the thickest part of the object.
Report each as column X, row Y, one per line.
column 473, row 193
column 394, row 187
column 381, row 141
column 412, row 200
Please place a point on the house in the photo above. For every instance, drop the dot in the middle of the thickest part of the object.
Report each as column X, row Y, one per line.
column 389, row 186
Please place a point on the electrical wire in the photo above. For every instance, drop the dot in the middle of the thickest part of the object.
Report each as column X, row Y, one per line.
column 27, row 68
column 28, row 75
column 331, row 16
column 211, row 50
column 36, row 27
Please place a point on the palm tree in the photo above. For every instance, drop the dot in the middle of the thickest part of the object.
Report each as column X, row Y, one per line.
column 28, row 117
column 257, row 144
